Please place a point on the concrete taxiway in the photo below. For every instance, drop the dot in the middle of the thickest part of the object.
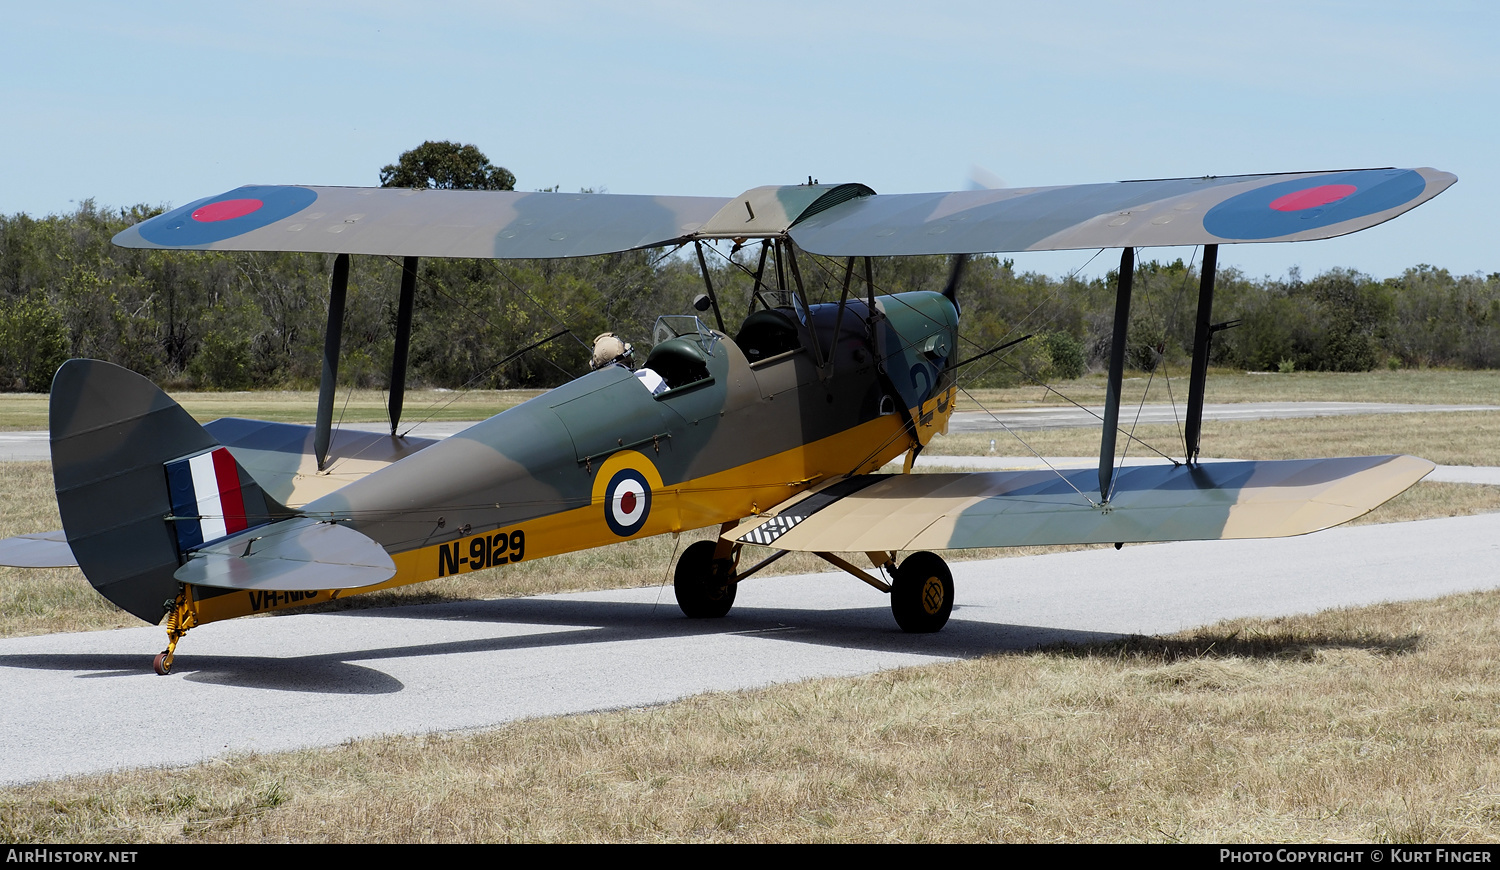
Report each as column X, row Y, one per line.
column 84, row 703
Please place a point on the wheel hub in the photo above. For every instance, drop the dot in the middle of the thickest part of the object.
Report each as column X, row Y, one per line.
column 932, row 596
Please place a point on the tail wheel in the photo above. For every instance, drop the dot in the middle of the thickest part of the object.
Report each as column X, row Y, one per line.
column 704, row 585
column 922, row 596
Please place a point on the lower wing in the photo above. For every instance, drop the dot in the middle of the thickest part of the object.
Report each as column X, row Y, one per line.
column 1209, row 501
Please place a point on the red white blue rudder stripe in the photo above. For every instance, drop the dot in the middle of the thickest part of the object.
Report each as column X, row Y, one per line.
column 208, row 500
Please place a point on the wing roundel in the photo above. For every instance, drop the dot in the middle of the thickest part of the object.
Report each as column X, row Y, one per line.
column 1170, row 211
column 487, row 224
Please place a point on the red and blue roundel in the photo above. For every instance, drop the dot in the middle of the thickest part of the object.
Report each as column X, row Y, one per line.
column 627, row 502
column 1291, row 207
column 226, row 215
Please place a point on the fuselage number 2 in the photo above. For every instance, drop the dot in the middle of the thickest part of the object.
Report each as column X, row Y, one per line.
column 484, row 551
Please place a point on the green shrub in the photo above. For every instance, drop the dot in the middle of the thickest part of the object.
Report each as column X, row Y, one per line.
column 33, row 343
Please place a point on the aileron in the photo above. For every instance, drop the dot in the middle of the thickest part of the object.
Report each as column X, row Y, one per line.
column 1217, row 500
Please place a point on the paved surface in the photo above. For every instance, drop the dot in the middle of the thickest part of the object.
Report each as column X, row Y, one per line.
column 32, row 446
column 88, row 702
column 85, row 703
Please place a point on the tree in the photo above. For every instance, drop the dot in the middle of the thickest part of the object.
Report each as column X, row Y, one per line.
column 33, row 343
column 446, row 166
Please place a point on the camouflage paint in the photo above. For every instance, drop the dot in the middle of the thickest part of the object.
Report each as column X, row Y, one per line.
column 744, row 439
column 833, row 220
column 533, row 481
column 1211, row 501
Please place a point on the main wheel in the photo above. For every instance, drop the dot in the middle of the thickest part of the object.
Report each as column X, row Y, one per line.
column 922, row 596
column 703, row 584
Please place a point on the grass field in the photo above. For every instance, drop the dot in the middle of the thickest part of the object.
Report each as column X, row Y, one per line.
column 1369, row 725
column 28, row 411
column 1374, row 724
column 1429, row 386
column 1457, row 438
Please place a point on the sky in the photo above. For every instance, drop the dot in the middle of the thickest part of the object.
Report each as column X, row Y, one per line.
column 164, row 103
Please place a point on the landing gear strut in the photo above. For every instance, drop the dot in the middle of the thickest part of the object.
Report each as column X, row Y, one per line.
column 921, row 588
column 704, row 585
column 179, row 619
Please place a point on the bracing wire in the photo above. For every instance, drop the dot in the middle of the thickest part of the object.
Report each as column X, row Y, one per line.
column 830, row 274
column 1024, row 321
column 1160, row 362
column 1013, row 433
column 667, row 572
column 1130, row 436
column 436, row 408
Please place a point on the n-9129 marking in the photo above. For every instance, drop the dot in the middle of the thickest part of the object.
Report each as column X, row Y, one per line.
column 484, row 551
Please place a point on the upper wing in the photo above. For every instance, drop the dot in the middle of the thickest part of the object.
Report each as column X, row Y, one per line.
column 1211, row 501
column 422, row 223
column 835, row 220
column 1172, row 211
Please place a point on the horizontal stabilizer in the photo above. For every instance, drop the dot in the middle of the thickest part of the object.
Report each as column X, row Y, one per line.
column 300, row 554
column 41, row 550
column 1211, row 501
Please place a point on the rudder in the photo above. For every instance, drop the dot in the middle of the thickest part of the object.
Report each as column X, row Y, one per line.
column 113, row 435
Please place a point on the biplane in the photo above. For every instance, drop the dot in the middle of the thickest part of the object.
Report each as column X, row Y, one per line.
column 774, row 432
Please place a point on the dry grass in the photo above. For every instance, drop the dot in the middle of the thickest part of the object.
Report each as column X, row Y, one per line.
column 1431, row 386
column 1368, row 725
column 1460, row 438
column 28, row 411
column 44, row 601
column 1427, row 501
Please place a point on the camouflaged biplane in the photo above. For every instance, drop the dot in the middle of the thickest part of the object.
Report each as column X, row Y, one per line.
column 774, row 433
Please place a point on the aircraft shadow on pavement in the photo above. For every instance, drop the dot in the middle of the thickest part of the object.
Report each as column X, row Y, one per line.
column 329, row 673
column 356, row 672
column 863, row 628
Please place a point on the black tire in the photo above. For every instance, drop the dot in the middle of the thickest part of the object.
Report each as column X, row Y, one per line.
column 702, row 583
column 922, row 596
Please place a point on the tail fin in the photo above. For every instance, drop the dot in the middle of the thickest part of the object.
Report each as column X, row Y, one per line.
column 139, row 482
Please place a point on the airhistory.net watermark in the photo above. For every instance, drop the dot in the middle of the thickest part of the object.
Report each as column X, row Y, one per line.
column 67, row 856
